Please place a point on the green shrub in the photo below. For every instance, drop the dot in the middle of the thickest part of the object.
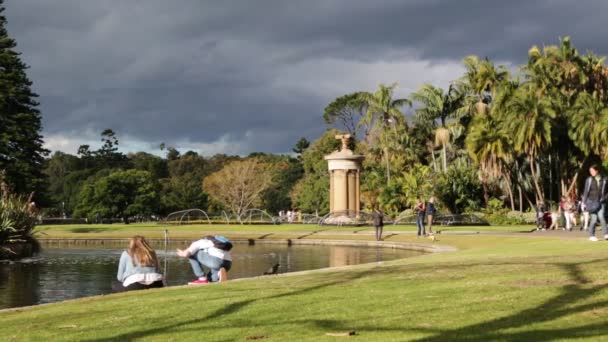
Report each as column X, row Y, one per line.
column 459, row 189
column 17, row 217
column 497, row 214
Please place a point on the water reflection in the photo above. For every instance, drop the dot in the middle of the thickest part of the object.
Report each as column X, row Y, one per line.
column 65, row 272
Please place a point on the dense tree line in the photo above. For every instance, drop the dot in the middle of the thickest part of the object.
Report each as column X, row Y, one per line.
column 519, row 139
column 105, row 183
column 490, row 138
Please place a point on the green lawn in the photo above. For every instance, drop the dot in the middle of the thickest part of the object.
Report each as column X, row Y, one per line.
column 192, row 231
column 496, row 287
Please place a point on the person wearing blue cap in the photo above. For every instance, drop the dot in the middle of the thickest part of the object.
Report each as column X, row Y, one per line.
column 210, row 259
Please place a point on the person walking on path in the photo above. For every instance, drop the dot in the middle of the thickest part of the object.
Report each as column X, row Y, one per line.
column 420, row 210
column 430, row 213
column 138, row 267
column 540, row 214
column 594, row 198
column 378, row 223
column 585, row 216
column 210, row 259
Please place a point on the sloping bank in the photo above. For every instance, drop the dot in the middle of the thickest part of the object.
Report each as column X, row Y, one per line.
column 493, row 288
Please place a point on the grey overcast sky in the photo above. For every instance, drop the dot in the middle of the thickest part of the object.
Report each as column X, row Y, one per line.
column 242, row 76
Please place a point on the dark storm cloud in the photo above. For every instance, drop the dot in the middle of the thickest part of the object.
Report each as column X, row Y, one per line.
column 242, row 76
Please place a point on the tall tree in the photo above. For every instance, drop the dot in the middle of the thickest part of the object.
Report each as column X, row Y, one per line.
column 149, row 162
column 437, row 105
column 240, row 184
column 120, row 194
column 301, row 146
column 346, row 110
column 489, row 145
column 311, row 193
column 21, row 151
column 481, row 82
column 288, row 171
column 108, row 155
column 531, row 123
column 589, row 125
column 383, row 116
column 180, row 193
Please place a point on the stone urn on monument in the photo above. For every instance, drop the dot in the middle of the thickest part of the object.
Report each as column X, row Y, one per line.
column 344, row 179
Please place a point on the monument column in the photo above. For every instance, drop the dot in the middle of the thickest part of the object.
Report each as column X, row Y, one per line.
column 344, row 172
column 340, row 190
column 357, row 192
column 331, row 190
column 352, row 191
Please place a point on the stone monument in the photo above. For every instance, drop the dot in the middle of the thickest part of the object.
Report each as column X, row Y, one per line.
column 344, row 177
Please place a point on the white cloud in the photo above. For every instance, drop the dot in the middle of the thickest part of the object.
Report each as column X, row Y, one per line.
column 334, row 77
column 226, row 144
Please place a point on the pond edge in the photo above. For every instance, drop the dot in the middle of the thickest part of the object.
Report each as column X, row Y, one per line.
column 421, row 247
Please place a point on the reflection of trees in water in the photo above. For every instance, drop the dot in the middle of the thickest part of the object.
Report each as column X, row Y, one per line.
column 343, row 256
column 65, row 273
column 20, row 285
column 4, row 298
column 73, row 277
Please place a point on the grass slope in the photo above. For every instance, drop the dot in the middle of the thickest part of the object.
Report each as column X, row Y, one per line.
column 505, row 288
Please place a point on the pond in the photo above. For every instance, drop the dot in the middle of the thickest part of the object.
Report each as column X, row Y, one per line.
column 63, row 272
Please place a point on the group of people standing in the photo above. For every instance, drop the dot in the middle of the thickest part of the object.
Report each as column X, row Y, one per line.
column 591, row 207
column 424, row 210
column 291, row 216
column 139, row 268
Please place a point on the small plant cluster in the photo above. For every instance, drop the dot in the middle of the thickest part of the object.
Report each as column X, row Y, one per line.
column 17, row 217
column 497, row 214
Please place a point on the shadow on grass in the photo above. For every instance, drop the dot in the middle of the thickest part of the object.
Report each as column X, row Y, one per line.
column 226, row 310
column 92, row 230
column 312, row 233
column 496, row 329
column 366, row 228
column 388, row 236
column 579, row 288
column 552, row 309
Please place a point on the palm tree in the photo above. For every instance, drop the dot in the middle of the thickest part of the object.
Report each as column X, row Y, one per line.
column 560, row 75
column 481, row 82
column 589, row 125
column 558, row 71
column 594, row 75
column 382, row 113
column 437, row 105
column 490, row 146
column 531, row 120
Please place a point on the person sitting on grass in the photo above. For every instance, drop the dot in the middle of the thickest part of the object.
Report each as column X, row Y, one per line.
column 210, row 259
column 138, row 267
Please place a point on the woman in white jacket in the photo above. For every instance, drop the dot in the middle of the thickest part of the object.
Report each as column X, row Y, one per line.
column 138, row 267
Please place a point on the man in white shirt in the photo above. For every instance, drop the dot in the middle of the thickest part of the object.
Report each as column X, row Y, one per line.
column 211, row 253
